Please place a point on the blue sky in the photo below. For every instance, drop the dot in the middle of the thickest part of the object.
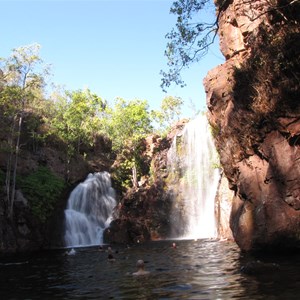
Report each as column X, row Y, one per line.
column 114, row 47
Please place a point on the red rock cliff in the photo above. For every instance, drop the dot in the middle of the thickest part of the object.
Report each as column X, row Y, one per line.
column 253, row 102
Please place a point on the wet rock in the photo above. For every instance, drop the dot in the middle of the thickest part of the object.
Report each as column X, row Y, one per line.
column 258, row 268
column 143, row 215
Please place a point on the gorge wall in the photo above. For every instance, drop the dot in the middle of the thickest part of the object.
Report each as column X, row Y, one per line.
column 253, row 103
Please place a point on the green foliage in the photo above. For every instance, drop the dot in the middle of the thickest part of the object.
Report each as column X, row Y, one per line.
column 81, row 116
column 127, row 123
column 191, row 37
column 75, row 118
column 42, row 189
column 122, row 174
column 170, row 111
column 22, row 81
column 188, row 42
column 23, row 77
column 21, row 61
column 9, row 99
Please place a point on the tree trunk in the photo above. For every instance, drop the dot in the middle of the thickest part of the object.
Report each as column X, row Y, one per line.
column 134, row 176
column 9, row 166
column 13, row 188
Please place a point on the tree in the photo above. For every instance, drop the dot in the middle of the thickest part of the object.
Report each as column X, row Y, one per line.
column 170, row 111
column 126, row 124
column 42, row 188
column 188, row 41
column 76, row 118
column 23, row 78
column 81, row 116
column 191, row 37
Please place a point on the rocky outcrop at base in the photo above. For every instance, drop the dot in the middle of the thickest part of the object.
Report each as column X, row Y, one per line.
column 253, row 102
column 143, row 213
column 143, row 216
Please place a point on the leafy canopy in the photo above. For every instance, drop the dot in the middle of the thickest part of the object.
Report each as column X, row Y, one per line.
column 22, row 79
column 188, row 41
column 170, row 112
column 127, row 122
column 75, row 118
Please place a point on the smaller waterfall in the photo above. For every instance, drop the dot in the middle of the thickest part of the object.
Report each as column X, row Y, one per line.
column 89, row 211
column 193, row 180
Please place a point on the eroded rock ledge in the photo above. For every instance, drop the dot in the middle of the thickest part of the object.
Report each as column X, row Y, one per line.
column 253, row 102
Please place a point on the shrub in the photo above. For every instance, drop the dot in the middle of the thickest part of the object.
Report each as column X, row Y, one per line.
column 42, row 189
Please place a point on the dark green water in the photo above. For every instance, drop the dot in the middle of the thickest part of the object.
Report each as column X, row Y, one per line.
column 202, row 269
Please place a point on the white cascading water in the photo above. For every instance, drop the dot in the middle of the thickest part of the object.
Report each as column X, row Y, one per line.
column 192, row 161
column 89, row 211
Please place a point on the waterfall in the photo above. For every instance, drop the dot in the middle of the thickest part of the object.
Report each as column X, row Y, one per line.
column 193, row 181
column 89, row 211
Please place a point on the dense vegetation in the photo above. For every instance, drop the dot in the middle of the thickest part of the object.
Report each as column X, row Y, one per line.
column 42, row 189
column 69, row 120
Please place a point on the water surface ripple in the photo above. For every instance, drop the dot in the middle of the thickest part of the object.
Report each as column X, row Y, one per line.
column 203, row 269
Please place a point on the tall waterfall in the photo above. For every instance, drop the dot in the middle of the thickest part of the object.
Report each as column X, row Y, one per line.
column 89, row 211
column 193, row 179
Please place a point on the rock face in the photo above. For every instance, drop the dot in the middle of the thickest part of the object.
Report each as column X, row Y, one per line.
column 253, row 102
column 143, row 213
column 143, row 216
column 25, row 232
column 223, row 202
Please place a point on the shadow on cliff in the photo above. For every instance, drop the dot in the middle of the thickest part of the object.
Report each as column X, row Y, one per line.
column 264, row 122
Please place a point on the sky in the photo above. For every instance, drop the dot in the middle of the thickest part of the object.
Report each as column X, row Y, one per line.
column 113, row 47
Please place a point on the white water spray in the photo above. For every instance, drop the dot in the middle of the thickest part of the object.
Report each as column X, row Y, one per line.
column 89, row 211
column 194, row 180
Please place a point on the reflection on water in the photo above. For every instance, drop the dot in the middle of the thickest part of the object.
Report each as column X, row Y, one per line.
column 203, row 269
